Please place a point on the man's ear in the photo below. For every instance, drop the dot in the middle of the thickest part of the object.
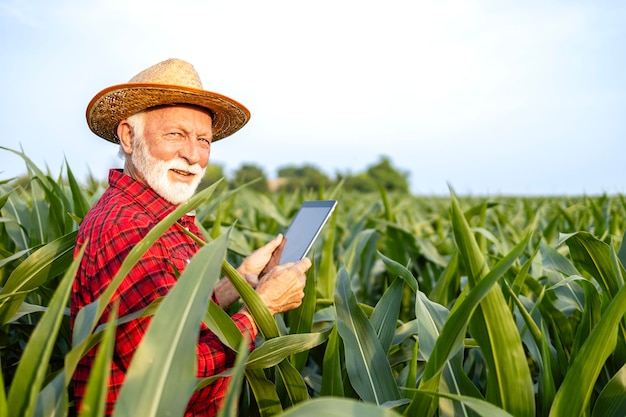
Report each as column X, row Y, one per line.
column 125, row 134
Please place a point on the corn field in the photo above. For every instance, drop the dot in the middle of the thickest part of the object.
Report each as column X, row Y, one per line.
column 415, row 306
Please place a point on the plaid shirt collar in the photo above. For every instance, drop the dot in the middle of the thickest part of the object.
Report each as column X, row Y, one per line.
column 145, row 196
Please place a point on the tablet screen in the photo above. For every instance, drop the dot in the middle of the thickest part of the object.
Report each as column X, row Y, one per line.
column 304, row 228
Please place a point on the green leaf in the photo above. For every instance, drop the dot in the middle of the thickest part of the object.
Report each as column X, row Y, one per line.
column 509, row 383
column 386, row 312
column 547, row 385
column 170, row 342
column 39, row 212
column 483, row 408
column 338, row 407
column 47, row 262
column 4, row 408
column 231, row 400
column 95, row 399
column 5, row 197
column 327, row 273
column 575, row 392
column 612, row 400
column 59, row 206
column 265, row 393
column 397, row 269
column 24, row 309
column 290, row 385
column 262, row 317
column 274, row 350
column 360, row 256
column 17, row 229
column 332, row 383
column 295, row 389
column 300, row 320
column 30, row 375
column 223, row 326
column 594, row 256
column 366, row 361
column 81, row 206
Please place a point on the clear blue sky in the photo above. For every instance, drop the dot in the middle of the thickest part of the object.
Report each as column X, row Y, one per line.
column 489, row 97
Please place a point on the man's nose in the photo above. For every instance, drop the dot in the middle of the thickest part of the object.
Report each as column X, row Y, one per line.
column 193, row 151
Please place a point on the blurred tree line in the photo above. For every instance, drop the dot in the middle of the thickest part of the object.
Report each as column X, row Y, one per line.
column 289, row 178
column 307, row 177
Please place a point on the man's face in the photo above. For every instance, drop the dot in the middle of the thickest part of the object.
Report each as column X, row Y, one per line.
column 173, row 154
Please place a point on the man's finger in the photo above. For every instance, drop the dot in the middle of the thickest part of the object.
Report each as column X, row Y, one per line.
column 274, row 243
column 303, row 265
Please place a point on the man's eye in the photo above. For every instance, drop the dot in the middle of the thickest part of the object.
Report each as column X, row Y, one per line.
column 205, row 141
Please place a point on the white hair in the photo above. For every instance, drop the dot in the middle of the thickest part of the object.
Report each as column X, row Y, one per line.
column 137, row 124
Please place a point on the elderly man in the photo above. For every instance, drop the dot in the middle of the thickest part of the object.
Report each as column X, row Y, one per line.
column 165, row 124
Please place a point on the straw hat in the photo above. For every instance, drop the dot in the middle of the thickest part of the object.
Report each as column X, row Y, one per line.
column 169, row 82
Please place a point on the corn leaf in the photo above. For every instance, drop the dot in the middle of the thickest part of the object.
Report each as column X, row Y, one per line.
column 4, row 408
column 262, row 317
column 360, row 256
column 594, row 256
column 223, row 326
column 29, row 376
column 509, row 383
column 483, row 408
column 300, row 320
column 289, row 384
column 264, row 391
column 288, row 379
column 47, row 262
column 386, row 312
column 81, row 206
column 397, row 269
column 366, row 361
column 327, row 274
column 338, row 407
column 230, row 402
column 575, row 392
column 94, row 401
column 17, row 211
column 170, row 342
column 274, row 350
column 38, row 214
column 332, row 383
column 612, row 400
column 547, row 385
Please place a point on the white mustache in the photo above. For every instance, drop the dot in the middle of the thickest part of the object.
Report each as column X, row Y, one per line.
column 181, row 165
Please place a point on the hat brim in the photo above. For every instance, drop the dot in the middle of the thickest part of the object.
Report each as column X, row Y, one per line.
column 114, row 104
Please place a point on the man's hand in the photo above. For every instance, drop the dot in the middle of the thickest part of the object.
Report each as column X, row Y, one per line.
column 282, row 288
column 254, row 266
column 262, row 260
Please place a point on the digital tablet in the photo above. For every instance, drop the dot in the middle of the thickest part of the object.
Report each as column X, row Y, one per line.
column 304, row 229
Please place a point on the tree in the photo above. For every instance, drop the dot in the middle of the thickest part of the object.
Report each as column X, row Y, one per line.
column 377, row 175
column 305, row 177
column 390, row 178
column 250, row 172
column 361, row 183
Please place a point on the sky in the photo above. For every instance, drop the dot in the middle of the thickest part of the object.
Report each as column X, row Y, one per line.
column 485, row 97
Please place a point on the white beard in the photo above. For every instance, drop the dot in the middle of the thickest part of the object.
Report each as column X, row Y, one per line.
column 155, row 173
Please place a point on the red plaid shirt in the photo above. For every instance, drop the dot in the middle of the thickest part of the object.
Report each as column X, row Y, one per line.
column 127, row 210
